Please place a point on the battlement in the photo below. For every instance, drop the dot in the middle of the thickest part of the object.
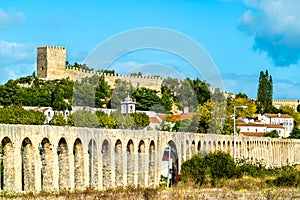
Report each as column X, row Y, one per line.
column 284, row 102
column 53, row 47
column 51, row 65
column 152, row 82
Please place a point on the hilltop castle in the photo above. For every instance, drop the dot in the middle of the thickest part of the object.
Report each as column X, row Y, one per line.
column 51, row 65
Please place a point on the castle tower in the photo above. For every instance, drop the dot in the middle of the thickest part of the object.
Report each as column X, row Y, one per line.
column 51, row 62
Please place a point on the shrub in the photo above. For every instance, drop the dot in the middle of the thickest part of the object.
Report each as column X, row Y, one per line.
column 287, row 179
column 58, row 120
column 211, row 167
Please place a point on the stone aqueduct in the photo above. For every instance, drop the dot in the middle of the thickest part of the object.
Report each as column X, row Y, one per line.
column 37, row 158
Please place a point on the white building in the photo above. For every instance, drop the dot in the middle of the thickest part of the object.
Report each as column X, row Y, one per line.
column 128, row 106
column 283, row 123
column 284, row 120
column 257, row 129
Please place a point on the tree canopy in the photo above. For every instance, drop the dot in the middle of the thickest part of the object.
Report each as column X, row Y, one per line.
column 264, row 93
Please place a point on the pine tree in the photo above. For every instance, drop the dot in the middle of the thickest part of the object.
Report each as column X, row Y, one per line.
column 264, row 93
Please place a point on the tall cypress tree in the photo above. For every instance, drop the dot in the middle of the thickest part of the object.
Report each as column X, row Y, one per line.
column 264, row 93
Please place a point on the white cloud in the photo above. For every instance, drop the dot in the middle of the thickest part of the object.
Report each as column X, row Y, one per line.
column 276, row 28
column 11, row 52
column 16, row 60
column 15, row 71
column 9, row 19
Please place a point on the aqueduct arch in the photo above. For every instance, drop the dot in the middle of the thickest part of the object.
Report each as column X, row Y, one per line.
column 49, row 158
column 28, row 166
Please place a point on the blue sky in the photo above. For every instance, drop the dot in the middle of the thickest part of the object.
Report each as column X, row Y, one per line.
column 242, row 37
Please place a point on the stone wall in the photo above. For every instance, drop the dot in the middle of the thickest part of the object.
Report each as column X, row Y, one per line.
column 51, row 65
column 291, row 103
column 68, row 158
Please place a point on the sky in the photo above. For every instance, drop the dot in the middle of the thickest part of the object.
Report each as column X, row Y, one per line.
column 241, row 37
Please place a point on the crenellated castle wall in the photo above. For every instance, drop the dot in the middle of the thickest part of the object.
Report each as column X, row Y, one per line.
column 51, row 65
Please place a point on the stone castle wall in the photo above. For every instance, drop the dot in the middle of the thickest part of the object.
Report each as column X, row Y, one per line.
column 68, row 158
column 51, row 65
column 291, row 103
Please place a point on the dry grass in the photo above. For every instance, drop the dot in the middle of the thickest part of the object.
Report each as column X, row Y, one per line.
column 245, row 188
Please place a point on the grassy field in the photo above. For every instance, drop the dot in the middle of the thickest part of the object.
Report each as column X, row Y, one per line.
column 233, row 190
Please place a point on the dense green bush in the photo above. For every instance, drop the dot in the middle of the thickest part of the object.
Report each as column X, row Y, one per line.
column 85, row 118
column 211, row 167
column 17, row 115
column 58, row 120
column 287, row 179
column 216, row 166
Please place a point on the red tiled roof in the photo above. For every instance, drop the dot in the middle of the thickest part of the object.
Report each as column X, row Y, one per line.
column 258, row 134
column 153, row 120
column 261, row 125
column 183, row 116
column 278, row 115
column 162, row 116
column 45, row 109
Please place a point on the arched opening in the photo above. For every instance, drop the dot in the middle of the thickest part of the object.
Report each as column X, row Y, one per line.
column 78, row 164
column 106, row 167
column 228, row 146
column 182, row 151
column 119, row 163
column 8, row 165
column 152, row 164
column 170, row 167
column 63, row 164
column 142, row 162
column 193, row 147
column 204, row 147
column 199, row 147
column 28, row 168
column 187, row 153
column 219, row 146
column 130, row 162
column 47, row 161
column 93, row 163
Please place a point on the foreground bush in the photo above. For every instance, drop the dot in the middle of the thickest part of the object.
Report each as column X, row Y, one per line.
column 210, row 168
column 216, row 166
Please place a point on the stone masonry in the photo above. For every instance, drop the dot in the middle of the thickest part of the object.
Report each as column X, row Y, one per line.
column 68, row 158
column 51, row 65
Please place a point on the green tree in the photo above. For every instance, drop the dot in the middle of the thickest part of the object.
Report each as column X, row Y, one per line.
column 123, row 121
column 145, row 98
column 204, row 117
column 70, row 120
column 58, row 120
column 264, row 93
column 17, row 115
column 295, row 134
column 121, row 91
column 290, row 111
column 140, row 120
column 201, row 89
column 103, row 93
column 84, row 118
column 105, row 120
column 298, row 108
column 272, row 134
column 247, row 112
column 58, row 102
